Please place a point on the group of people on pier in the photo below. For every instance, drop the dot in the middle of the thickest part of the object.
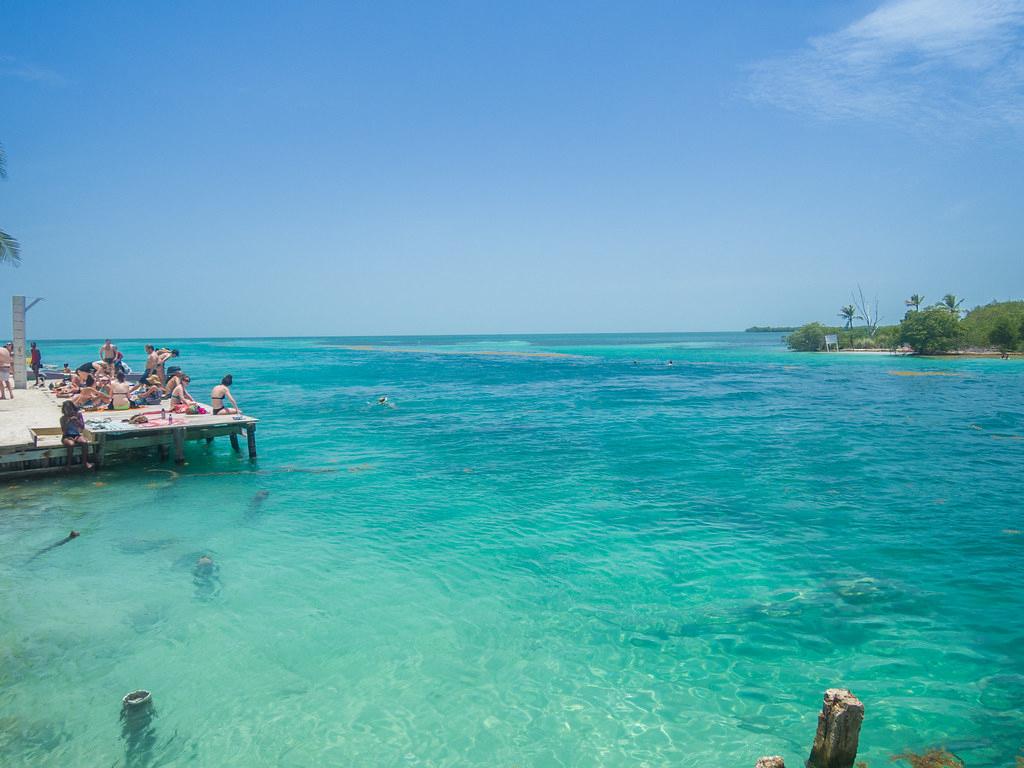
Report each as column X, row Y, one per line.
column 104, row 384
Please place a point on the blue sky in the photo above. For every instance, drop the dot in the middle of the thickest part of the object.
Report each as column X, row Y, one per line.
column 215, row 169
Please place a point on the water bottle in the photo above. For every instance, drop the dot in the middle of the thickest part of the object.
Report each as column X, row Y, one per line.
column 163, row 414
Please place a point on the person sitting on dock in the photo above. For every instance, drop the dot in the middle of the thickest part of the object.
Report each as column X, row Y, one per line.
column 91, row 395
column 119, row 390
column 180, row 398
column 219, row 393
column 172, row 382
column 71, row 425
column 148, row 392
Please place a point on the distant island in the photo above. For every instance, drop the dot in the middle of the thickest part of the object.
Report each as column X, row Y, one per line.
column 943, row 328
column 771, row 329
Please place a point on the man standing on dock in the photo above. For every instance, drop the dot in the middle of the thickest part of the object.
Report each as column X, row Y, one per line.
column 108, row 352
column 6, row 358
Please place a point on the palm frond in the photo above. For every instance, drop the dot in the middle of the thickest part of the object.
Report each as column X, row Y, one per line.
column 10, row 251
column 3, row 163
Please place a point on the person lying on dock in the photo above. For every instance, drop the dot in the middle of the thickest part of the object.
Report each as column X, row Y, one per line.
column 218, row 395
column 72, row 422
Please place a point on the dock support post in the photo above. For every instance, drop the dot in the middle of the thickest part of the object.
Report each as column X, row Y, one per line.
column 179, row 446
column 98, row 451
column 234, row 442
column 835, row 744
column 250, row 435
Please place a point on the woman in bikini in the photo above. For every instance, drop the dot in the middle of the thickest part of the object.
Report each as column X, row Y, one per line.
column 221, row 392
column 71, row 425
column 90, row 395
column 119, row 390
column 180, row 398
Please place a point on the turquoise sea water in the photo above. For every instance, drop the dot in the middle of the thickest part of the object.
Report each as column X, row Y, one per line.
column 580, row 560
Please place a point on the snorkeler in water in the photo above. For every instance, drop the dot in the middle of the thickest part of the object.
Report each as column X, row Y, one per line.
column 206, row 578
column 62, row 542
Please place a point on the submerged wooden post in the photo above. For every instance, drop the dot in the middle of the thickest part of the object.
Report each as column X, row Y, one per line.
column 179, row 446
column 835, row 743
column 99, row 450
column 234, row 442
column 770, row 761
column 250, row 435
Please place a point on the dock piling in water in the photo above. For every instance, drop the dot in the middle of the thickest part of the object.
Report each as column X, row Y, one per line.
column 835, row 743
column 250, row 436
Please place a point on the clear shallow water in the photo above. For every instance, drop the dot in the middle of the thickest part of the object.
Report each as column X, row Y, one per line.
column 533, row 560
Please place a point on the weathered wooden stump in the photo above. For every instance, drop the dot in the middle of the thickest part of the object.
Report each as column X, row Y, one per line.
column 770, row 761
column 250, row 434
column 835, row 743
column 179, row 445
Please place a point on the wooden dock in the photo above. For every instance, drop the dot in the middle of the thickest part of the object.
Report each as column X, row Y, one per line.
column 30, row 434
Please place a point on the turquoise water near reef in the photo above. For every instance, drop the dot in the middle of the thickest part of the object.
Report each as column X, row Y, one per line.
column 594, row 558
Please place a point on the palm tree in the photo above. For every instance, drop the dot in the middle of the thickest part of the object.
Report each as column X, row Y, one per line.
column 848, row 313
column 915, row 301
column 952, row 303
column 9, row 249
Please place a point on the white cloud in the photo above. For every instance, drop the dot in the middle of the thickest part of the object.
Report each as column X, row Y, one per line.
column 12, row 67
column 925, row 63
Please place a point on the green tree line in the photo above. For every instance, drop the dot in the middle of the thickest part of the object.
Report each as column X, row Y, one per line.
column 935, row 329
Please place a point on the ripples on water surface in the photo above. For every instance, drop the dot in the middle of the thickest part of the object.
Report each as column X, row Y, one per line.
column 565, row 560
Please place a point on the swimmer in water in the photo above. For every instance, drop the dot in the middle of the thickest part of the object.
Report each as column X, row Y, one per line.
column 206, row 578
column 62, row 542
column 382, row 400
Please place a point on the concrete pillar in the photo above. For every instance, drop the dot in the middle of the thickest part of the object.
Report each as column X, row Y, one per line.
column 18, row 334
